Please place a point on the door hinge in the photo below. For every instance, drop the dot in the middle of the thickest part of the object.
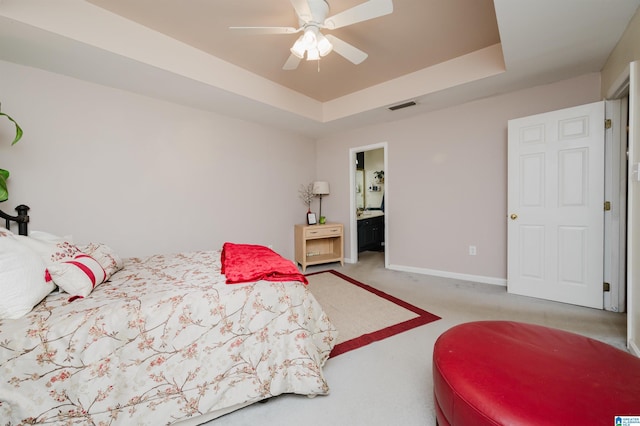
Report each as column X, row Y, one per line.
column 606, row 287
column 607, row 206
column 607, row 123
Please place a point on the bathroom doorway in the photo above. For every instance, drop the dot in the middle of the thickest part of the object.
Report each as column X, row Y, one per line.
column 369, row 202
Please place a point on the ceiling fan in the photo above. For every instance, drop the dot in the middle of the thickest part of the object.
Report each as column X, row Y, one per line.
column 312, row 17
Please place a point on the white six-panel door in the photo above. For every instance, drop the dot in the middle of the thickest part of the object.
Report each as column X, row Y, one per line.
column 555, row 205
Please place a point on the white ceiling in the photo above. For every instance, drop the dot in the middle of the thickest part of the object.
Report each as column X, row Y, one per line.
column 418, row 34
column 436, row 52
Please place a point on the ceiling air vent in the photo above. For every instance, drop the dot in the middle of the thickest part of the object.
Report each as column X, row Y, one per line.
column 404, row 105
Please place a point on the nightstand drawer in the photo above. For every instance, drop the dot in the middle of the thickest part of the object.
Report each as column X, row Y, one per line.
column 330, row 231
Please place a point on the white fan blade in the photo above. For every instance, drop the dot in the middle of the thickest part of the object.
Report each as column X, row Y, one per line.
column 292, row 63
column 266, row 30
column 363, row 12
column 343, row 48
column 302, row 10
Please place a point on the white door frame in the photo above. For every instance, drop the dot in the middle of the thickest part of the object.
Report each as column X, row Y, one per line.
column 633, row 213
column 615, row 193
column 622, row 89
column 353, row 219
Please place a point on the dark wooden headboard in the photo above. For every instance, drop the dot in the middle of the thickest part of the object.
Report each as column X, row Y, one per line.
column 22, row 219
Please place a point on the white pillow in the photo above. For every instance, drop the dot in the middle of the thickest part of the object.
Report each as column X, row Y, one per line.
column 106, row 257
column 46, row 236
column 4, row 232
column 78, row 276
column 50, row 247
column 23, row 282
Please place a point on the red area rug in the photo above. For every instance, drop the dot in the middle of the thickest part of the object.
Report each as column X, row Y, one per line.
column 361, row 313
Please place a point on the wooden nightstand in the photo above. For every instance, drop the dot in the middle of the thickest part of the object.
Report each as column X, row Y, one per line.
column 316, row 244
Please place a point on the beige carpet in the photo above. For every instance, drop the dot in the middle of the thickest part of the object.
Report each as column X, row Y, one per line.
column 361, row 313
column 390, row 382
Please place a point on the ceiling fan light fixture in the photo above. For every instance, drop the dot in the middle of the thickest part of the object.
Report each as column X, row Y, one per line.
column 309, row 38
column 312, row 16
column 298, row 48
column 313, row 54
column 324, row 45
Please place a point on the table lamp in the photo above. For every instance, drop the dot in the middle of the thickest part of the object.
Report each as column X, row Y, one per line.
column 320, row 189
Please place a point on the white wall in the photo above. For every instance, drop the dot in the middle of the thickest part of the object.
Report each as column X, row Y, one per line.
column 447, row 179
column 146, row 176
column 627, row 50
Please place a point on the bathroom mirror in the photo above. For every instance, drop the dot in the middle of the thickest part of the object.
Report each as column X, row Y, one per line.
column 360, row 193
column 369, row 180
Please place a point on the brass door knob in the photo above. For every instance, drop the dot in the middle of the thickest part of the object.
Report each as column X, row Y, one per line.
column 514, row 216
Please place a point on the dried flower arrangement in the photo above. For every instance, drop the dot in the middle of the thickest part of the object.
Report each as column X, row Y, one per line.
column 306, row 194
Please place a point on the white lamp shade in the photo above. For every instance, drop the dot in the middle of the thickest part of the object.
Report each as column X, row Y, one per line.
column 298, row 48
column 309, row 39
column 324, row 46
column 313, row 54
column 321, row 188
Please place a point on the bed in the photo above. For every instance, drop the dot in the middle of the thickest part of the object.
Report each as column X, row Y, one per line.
column 165, row 339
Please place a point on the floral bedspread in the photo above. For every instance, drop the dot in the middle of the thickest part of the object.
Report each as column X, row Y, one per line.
column 164, row 340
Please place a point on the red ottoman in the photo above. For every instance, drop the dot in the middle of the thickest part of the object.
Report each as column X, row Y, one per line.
column 510, row 373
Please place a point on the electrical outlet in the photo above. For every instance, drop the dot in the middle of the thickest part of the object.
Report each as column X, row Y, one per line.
column 472, row 250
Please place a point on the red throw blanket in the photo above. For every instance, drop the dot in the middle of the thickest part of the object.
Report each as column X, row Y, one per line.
column 243, row 263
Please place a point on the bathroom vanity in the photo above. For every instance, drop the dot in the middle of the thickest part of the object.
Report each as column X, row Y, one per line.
column 371, row 230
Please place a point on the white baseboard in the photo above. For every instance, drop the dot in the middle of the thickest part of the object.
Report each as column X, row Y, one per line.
column 454, row 275
column 444, row 274
column 633, row 348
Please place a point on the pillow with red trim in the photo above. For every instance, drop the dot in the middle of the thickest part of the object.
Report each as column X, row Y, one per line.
column 23, row 279
column 78, row 276
column 106, row 257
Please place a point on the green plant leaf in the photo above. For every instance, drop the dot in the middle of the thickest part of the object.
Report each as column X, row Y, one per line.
column 4, row 174
column 4, row 194
column 18, row 129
